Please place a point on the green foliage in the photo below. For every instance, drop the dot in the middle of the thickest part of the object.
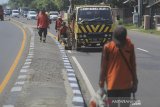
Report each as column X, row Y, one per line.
column 57, row 4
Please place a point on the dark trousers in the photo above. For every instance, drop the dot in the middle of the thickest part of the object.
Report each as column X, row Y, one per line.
column 121, row 97
column 42, row 32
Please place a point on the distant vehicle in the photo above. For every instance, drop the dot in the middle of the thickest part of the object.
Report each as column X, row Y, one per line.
column 15, row 13
column 1, row 13
column 25, row 13
column 23, row 9
column 7, row 12
column 31, row 15
column 53, row 15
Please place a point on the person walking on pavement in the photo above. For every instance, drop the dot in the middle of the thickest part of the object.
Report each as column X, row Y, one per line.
column 42, row 25
column 58, row 25
column 118, row 68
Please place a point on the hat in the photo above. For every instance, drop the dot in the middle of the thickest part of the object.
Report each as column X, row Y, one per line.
column 119, row 35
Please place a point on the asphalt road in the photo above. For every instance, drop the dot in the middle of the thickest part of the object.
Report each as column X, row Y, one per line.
column 10, row 42
column 147, row 48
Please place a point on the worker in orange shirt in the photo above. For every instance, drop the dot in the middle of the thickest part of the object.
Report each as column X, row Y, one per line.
column 58, row 26
column 42, row 25
column 118, row 68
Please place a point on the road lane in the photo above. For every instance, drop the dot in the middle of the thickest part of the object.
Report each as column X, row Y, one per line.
column 148, row 65
column 10, row 43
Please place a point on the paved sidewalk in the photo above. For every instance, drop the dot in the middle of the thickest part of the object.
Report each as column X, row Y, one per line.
column 43, row 76
column 47, row 84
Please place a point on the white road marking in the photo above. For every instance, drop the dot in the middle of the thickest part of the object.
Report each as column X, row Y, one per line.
column 20, row 83
column 76, row 92
column 74, row 85
column 27, row 63
column 77, row 99
column 70, row 70
column 142, row 50
column 23, row 70
column 25, row 67
column 29, row 60
column 72, row 79
column 22, row 76
column 15, row 89
column 67, row 63
column 30, row 56
column 88, row 84
column 69, row 51
column 71, row 74
column 68, row 67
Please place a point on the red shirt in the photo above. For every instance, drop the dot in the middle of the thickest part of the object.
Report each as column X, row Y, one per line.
column 63, row 29
column 58, row 23
column 43, row 21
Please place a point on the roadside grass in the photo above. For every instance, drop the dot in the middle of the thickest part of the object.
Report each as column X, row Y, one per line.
column 140, row 29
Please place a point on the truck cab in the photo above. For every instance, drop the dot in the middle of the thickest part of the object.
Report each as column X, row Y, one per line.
column 92, row 25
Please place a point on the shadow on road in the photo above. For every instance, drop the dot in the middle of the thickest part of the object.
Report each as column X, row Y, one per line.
column 90, row 49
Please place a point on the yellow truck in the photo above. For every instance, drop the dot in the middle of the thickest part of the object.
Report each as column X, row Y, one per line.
column 91, row 25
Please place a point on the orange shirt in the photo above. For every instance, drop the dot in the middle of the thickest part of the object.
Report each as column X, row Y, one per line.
column 113, row 67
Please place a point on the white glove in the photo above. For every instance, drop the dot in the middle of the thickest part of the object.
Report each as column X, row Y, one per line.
column 101, row 91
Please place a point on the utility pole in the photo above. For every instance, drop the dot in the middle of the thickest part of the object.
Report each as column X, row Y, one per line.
column 140, row 3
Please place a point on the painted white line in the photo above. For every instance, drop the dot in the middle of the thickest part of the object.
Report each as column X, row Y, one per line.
column 71, row 74
column 72, row 79
column 78, row 99
column 22, row 77
column 70, row 70
column 16, row 89
column 85, row 78
column 67, row 63
column 65, row 58
column 28, row 60
column 142, row 50
column 30, row 56
column 20, row 83
column 25, row 67
column 69, row 51
column 76, row 92
column 27, row 63
column 23, row 70
column 31, row 52
column 8, row 105
column 68, row 67
column 74, row 85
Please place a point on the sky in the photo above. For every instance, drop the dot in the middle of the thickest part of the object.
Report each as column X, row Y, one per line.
column 3, row 1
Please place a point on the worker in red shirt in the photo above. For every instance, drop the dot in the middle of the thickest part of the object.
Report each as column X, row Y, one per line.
column 42, row 25
column 118, row 68
column 58, row 26
column 63, row 32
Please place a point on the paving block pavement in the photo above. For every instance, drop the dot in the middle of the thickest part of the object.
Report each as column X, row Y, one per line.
column 47, row 84
column 42, row 81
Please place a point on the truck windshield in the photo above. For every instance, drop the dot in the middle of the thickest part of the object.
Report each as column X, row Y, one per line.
column 94, row 14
